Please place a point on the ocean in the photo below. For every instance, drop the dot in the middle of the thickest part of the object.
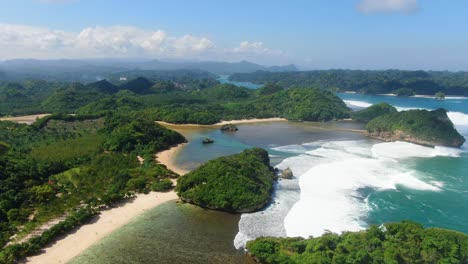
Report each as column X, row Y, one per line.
column 343, row 182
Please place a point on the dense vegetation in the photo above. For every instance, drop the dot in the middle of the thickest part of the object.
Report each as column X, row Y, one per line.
column 404, row 92
column 25, row 97
column 404, row 243
column 14, row 252
column 30, row 97
column 62, row 163
column 222, row 102
column 201, row 101
column 237, row 183
column 373, row 82
column 418, row 126
column 90, row 70
column 371, row 112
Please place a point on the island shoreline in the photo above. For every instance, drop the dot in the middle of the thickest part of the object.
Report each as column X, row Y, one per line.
column 237, row 121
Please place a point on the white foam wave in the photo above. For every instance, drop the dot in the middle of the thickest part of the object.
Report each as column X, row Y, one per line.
column 325, row 194
column 356, row 103
column 403, row 150
column 458, row 118
column 329, row 191
column 291, row 149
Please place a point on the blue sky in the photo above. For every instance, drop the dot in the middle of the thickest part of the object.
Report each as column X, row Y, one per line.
column 317, row 34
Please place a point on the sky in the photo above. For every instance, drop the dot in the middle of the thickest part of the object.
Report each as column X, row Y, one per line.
column 314, row 34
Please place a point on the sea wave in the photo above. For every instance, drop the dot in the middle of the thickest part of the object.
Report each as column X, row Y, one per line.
column 330, row 197
column 356, row 103
column 326, row 192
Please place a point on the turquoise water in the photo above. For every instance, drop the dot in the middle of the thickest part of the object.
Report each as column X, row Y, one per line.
column 447, row 207
column 267, row 135
column 455, row 104
column 174, row 233
column 224, row 79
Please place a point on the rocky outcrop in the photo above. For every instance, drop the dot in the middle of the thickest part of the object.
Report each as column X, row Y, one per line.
column 229, row 128
column 287, row 174
column 208, row 141
column 401, row 136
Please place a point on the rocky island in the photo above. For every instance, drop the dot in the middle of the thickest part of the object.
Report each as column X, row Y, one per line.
column 239, row 183
column 423, row 127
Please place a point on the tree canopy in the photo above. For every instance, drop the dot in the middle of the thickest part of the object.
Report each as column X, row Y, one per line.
column 405, row 243
column 237, row 183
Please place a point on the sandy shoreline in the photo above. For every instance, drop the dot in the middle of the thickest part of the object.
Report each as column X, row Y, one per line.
column 28, row 120
column 239, row 121
column 76, row 243
column 167, row 157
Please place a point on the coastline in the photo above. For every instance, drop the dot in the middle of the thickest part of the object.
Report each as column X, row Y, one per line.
column 167, row 157
column 28, row 119
column 415, row 96
column 73, row 244
column 238, row 121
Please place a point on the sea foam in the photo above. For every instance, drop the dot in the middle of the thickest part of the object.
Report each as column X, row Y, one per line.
column 326, row 191
column 330, row 197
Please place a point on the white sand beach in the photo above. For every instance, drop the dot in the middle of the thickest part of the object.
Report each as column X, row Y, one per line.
column 65, row 249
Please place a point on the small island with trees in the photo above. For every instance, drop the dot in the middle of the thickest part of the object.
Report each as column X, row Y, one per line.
column 239, row 183
column 423, row 127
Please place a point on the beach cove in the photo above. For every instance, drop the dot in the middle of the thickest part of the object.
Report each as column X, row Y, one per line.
column 405, row 187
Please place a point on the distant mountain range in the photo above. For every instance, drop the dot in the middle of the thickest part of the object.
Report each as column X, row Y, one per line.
column 95, row 69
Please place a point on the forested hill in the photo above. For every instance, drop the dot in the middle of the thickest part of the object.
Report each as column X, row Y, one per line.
column 201, row 101
column 68, row 70
column 373, row 82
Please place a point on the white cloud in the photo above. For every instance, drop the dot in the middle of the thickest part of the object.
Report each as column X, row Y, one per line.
column 388, row 6
column 22, row 41
column 255, row 48
column 117, row 41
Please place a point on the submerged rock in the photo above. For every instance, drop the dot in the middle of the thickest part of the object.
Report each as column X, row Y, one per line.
column 208, row 141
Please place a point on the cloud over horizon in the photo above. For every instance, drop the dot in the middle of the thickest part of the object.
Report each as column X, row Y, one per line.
column 388, row 6
column 23, row 41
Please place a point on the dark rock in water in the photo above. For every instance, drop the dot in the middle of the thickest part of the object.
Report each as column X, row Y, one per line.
column 287, row 174
column 229, row 128
column 207, row 141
